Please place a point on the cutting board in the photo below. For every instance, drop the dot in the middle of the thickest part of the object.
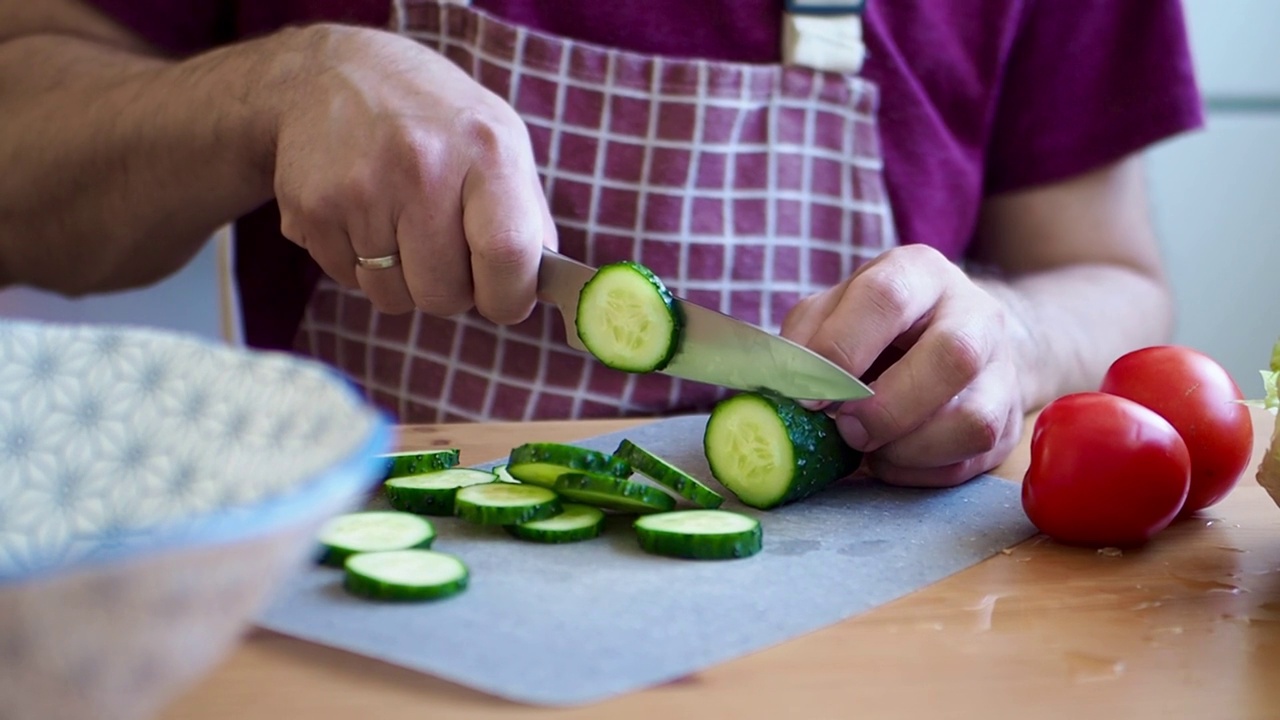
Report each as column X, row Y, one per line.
column 578, row 623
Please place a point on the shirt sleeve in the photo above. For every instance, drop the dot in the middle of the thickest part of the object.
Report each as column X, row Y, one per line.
column 1086, row 83
column 176, row 28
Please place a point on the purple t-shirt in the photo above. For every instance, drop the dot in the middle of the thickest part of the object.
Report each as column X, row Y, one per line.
column 977, row 96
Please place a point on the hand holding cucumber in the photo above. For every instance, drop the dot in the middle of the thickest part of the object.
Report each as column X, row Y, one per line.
column 402, row 176
column 951, row 407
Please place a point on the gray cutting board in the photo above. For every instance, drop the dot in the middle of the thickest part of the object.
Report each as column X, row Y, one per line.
column 579, row 623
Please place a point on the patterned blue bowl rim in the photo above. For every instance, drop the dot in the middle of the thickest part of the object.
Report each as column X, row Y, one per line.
column 341, row 481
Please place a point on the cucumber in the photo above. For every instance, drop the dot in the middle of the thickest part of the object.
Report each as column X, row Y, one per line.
column 543, row 463
column 575, row 523
column 499, row 503
column 405, row 575
column 668, row 475
column 613, row 493
column 628, row 319
column 372, row 531
column 503, row 476
column 432, row 493
column 416, row 462
column 700, row 534
column 769, row 451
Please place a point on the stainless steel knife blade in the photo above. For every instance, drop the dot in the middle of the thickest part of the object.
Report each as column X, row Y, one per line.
column 715, row 348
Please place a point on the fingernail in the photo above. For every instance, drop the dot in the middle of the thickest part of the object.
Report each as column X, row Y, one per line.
column 813, row 405
column 851, row 429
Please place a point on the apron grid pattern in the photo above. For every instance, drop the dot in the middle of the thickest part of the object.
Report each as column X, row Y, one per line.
column 744, row 187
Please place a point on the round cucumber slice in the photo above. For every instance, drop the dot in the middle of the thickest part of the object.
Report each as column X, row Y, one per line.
column 499, row 503
column 372, row 531
column 613, row 493
column 628, row 319
column 574, row 524
column 700, row 534
column 668, row 475
column 414, row 462
column 432, row 493
column 405, row 575
column 543, row 463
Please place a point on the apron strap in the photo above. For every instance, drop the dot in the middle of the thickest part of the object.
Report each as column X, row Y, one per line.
column 824, row 34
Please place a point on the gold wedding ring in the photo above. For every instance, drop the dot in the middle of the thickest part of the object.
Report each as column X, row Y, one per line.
column 379, row 263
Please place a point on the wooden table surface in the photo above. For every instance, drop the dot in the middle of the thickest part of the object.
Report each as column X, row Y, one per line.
column 1187, row 627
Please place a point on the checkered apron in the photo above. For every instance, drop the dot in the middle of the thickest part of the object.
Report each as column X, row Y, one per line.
column 744, row 187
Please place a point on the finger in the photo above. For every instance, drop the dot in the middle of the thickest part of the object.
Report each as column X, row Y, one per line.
column 331, row 251
column 957, row 345
column 983, row 418
column 939, row 477
column 877, row 307
column 437, row 263
column 804, row 319
column 372, row 235
column 503, row 215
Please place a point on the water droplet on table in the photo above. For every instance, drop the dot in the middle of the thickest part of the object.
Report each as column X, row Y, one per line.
column 1086, row 667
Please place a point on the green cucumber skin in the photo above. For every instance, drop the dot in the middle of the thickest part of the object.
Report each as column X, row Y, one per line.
column 656, row 469
column 370, row 589
column 414, row 500
column 631, row 497
column 668, row 300
column 335, row 557
column 821, row 456
column 701, row 548
column 481, row 515
column 423, row 461
column 570, row 457
column 554, row 537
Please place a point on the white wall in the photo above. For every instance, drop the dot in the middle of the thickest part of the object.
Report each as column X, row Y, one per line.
column 1217, row 193
column 193, row 300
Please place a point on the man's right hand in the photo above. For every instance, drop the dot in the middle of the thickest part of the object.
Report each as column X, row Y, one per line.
column 383, row 146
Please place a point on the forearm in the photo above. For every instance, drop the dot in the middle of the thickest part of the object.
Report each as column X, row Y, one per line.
column 119, row 166
column 1068, row 324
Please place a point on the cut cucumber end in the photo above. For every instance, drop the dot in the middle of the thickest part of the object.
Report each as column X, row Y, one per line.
column 769, row 451
column 748, row 447
column 372, row 531
column 628, row 319
column 700, row 534
column 405, row 575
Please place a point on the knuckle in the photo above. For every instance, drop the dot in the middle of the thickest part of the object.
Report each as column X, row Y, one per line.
column 983, row 426
column 887, row 292
column 506, row 250
column 357, row 189
column 963, row 354
column 489, row 134
column 883, row 425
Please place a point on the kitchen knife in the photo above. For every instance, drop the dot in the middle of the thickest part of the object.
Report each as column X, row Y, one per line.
column 715, row 348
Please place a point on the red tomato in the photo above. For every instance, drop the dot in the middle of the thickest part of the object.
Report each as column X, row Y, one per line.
column 1104, row 472
column 1199, row 398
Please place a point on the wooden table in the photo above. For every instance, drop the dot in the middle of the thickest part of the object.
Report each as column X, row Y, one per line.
column 1188, row 627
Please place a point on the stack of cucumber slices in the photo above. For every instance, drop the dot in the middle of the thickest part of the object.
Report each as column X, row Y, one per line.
column 544, row 493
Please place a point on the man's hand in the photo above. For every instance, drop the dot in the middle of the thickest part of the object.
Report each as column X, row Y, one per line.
column 386, row 147
column 957, row 361
column 950, row 407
